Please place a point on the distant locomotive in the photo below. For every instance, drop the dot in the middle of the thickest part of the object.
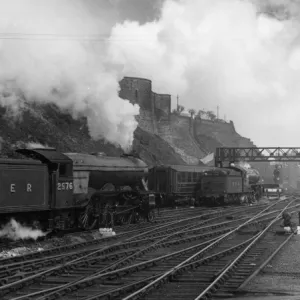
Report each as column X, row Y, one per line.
column 277, row 175
column 56, row 190
column 208, row 185
column 232, row 185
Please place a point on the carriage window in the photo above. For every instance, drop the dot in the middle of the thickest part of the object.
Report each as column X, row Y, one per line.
column 194, row 177
column 189, row 177
column 184, row 176
column 179, row 177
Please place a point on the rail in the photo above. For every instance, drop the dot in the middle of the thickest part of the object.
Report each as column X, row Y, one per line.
column 187, row 233
column 174, row 270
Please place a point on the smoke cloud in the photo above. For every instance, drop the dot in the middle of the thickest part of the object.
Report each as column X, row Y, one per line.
column 55, row 51
column 242, row 56
column 15, row 231
column 34, row 145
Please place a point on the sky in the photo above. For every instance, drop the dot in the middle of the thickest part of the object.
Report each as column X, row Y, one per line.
column 240, row 55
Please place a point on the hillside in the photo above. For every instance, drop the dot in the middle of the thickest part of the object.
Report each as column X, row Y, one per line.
column 161, row 137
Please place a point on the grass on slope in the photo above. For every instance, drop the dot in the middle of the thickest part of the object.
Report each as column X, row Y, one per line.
column 48, row 125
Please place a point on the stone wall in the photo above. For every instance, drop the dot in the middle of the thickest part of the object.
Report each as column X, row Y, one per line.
column 162, row 104
column 137, row 90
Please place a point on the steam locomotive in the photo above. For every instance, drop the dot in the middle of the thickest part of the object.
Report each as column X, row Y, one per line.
column 62, row 191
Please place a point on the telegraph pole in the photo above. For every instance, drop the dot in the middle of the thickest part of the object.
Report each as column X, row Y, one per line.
column 218, row 111
column 177, row 102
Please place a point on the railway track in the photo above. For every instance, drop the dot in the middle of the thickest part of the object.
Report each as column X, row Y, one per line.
column 141, row 263
column 124, row 232
column 166, row 215
column 11, row 268
column 223, row 269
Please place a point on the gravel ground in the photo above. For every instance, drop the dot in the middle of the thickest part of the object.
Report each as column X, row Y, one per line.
column 259, row 297
column 283, row 272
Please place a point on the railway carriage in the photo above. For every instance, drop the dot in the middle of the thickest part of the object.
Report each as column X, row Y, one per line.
column 178, row 183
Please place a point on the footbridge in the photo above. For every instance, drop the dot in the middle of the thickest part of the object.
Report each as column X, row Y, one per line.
column 226, row 155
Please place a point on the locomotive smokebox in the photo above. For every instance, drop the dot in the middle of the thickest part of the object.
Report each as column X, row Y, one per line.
column 252, row 174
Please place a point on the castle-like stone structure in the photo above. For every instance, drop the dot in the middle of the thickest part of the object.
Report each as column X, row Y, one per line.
column 191, row 138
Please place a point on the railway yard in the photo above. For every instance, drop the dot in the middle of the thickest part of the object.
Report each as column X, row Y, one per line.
column 186, row 253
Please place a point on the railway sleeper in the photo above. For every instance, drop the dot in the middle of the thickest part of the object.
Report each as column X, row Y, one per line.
column 122, row 273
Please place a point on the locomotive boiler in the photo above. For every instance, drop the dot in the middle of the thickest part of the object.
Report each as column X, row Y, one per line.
column 102, row 182
column 93, row 172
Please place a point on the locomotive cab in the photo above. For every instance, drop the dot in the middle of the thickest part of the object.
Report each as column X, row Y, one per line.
column 60, row 169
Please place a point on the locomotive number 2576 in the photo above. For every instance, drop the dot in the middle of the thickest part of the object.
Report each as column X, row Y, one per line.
column 64, row 186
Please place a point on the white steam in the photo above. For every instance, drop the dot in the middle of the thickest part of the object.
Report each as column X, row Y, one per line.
column 54, row 51
column 33, row 145
column 15, row 231
column 222, row 53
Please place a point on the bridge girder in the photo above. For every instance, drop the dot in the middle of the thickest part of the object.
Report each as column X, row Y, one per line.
column 256, row 154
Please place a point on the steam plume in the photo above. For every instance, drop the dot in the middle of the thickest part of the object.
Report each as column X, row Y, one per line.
column 32, row 145
column 46, row 54
column 15, row 231
column 228, row 53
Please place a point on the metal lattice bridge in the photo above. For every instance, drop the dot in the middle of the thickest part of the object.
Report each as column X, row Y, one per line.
column 267, row 154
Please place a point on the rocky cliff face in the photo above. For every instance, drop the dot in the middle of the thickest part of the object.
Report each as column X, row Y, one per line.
column 191, row 139
column 161, row 137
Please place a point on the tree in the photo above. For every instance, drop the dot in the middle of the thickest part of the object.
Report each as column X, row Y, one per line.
column 201, row 113
column 211, row 115
column 180, row 109
column 192, row 112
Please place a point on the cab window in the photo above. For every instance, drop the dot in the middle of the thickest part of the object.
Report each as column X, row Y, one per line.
column 64, row 170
